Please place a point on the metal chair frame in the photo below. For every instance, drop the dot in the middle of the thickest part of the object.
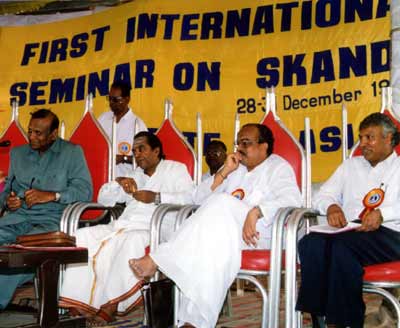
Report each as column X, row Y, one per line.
column 306, row 217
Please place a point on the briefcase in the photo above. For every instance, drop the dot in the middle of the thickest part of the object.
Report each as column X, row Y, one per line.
column 158, row 299
column 47, row 239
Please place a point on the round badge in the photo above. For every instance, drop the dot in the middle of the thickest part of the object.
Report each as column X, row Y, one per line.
column 124, row 148
column 238, row 193
column 374, row 198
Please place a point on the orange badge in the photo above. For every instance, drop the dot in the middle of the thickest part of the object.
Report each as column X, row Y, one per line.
column 238, row 193
column 124, row 148
column 372, row 200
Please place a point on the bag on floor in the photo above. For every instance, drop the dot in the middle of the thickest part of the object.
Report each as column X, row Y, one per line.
column 158, row 300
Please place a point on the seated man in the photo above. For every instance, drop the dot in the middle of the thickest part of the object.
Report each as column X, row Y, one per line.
column 128, row 124
column 215, row 157
column 44, row 177
column 203, row 257
column 332, row 265
column 106, row 284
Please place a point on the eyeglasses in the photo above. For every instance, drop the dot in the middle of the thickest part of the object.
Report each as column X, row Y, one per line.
column 246, row 143
column 118, row 99
column 214, row 153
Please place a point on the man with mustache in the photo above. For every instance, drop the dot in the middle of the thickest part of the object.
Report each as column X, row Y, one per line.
column 106, row 285
column 203, row 257
column 332, row 265
column 44, row 177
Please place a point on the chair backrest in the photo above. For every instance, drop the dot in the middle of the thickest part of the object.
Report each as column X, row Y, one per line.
column 17, row 137
column 97, row 149
column 175, row 145
column 286, row 146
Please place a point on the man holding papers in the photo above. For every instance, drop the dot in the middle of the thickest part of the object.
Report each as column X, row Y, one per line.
column 365, row 188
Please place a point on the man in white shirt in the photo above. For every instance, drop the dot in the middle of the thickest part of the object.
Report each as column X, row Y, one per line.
column 128, row 125
column 332, row 265
column 106, row 285
column 238, row 206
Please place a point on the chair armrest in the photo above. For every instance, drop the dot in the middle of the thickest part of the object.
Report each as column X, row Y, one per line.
column 72, row 217
column 156, row 219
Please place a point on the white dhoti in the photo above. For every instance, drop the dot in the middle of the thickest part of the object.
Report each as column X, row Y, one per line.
column 204, row 257
column 107, row 278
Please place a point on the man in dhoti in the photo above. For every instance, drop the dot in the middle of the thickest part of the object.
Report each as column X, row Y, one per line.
column 106, row 285
column 364, row 187
column 238, row 206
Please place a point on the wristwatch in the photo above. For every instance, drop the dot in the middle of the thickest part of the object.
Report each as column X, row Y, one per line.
column 157, row 199
column 58, row 196
column 260, row 213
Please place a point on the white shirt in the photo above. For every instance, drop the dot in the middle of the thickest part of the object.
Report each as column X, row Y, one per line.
column 270, row 185
column 127, row 127
column 353, row 179
column 171, row 179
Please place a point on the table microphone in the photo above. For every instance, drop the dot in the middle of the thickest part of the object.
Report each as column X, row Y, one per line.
column 5, row 143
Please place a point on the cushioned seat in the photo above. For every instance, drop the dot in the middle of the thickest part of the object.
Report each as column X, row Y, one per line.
column 389, row 272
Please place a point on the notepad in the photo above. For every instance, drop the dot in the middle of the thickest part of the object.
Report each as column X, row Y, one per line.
column 326, row 228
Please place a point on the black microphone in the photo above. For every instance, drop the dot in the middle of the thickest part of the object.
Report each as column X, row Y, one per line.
column 5, row 143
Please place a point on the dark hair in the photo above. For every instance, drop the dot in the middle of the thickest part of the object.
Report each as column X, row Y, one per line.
column 379, row 119
column 125, row 87
column 217, row 143
column 153, row 141
column 264, row 135
column 44, row 113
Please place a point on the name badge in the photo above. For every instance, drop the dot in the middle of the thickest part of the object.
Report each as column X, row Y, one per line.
column 372, row 200
column 124, row 148
column 238, row 193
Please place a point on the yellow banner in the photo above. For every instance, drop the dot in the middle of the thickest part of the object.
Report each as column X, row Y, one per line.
column 212, row 57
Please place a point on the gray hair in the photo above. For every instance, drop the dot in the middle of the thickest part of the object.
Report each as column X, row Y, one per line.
column 388, row 126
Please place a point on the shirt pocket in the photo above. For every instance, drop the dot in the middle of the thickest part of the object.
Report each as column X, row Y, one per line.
column 52, row 180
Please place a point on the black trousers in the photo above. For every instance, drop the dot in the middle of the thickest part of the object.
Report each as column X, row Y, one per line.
column 332, row 272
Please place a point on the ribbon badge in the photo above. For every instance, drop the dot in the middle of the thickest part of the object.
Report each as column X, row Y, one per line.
column 238, row 193
column 372, row 200
column 124, row 148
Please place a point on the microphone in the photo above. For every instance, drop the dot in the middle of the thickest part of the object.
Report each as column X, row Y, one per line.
column 5, row 143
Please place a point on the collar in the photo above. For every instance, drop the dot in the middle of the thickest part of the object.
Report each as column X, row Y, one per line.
column 385, row 163
column 128, row 115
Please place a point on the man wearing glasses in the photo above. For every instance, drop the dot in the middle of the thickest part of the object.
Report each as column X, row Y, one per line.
column 245, row 195
column 128, row 125
column 44, row 177
column 215, row 157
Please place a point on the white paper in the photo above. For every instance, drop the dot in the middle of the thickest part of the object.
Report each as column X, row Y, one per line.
column 326, row 228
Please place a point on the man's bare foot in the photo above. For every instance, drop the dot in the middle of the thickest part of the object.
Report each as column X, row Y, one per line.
column 143, row 267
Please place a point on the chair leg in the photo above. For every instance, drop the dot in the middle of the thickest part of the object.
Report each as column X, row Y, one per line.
column 239, row 287
column 388, row 296
column 227, row 307
column 264, row 296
